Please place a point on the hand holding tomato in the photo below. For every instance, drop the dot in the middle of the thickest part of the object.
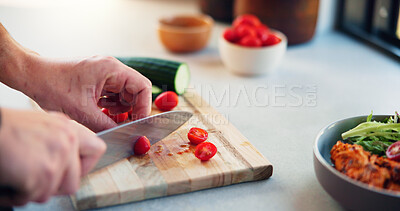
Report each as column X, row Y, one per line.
column 44, row 154
column 75, row 88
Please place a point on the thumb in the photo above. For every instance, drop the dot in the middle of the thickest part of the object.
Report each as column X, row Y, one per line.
column 91, row 148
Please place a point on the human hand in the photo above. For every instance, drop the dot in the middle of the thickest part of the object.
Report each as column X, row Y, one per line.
column 43, row 154
column 75, row 88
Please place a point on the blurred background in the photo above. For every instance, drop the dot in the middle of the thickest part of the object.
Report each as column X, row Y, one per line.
column 376, row 21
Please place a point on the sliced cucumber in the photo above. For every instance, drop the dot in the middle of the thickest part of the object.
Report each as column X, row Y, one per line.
column 166, row 75
column 155, row 91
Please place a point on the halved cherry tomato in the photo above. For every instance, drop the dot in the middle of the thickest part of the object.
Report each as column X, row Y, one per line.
column 230, row 35
column 197, row 135
column 142, row 146
column 393, row 151
column 205, row 151
column 166, row 101
column 116, row 118
column 250, row 41
column 246, row 19
column 272, row 40
column 245, row 30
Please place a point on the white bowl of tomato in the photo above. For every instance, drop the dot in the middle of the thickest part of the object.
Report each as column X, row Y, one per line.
column 250, row 47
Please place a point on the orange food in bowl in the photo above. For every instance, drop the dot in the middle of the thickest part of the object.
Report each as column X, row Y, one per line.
column 185, row 33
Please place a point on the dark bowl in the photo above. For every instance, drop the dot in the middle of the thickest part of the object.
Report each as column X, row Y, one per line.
column 351, row 194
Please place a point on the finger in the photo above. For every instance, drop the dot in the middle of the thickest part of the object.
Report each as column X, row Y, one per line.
column 71, row 178
column 115, row 83
column 126, row 97
column 91, row 148
column 115, row 106
column 142, row 107
column 71, row 174
column 135, row 83
column 52, row 169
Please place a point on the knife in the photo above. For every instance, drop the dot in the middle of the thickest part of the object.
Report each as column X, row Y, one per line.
column 121, row 139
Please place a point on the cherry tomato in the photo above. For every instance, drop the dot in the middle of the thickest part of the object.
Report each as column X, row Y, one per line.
column 246, row 19
column 230, row 35
column 245, row 30
column 205, row 151
column 166, row 101
column 393, row 151
column 116, row 118
column 142, row 146
column 197, row 135
column 272, row 40
column 262, row 32
column 250, row 41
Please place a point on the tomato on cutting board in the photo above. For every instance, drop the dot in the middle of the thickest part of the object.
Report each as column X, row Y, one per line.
column 393, row 151
column 166, row 101
column 116, row 118
column 205, row 151
column 142, row 146
column 197, row 135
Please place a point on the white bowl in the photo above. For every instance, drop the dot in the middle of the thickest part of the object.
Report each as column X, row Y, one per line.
column 252, row 61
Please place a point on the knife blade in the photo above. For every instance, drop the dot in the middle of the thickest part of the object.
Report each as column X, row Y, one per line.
column 121, row 139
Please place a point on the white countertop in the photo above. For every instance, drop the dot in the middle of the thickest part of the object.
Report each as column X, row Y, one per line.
column 330, row 78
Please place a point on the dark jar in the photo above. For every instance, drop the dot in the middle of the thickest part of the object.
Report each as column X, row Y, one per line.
column 297, row 19
column 221, row 10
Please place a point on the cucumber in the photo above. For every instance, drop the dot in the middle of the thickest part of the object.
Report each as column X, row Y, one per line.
column 164, row 74
column 155, row 91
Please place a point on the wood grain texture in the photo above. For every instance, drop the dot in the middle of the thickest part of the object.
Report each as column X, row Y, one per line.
column 160, row 174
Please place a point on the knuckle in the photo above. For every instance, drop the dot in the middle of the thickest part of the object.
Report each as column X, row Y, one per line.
column 108, row 60
column 62, row 147
column 102, row 147
column 72, row 138
column 147, row 83
column 49, row 172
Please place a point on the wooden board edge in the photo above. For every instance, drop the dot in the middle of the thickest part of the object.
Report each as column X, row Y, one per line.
column 261, row 173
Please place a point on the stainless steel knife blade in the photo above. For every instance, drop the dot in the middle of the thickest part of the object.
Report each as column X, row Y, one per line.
column 120, row 140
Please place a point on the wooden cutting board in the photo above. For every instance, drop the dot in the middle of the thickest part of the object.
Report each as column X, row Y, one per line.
column 174, row 171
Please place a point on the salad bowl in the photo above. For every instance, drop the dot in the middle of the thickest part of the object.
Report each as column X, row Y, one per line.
column 351, row 194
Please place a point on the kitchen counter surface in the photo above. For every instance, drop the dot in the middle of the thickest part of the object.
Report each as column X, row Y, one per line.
column 330, row 78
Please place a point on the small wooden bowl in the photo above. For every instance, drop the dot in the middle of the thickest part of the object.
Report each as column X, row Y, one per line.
column 185, row 33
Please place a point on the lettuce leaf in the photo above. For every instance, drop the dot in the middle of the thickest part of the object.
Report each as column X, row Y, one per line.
column 374, row 136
